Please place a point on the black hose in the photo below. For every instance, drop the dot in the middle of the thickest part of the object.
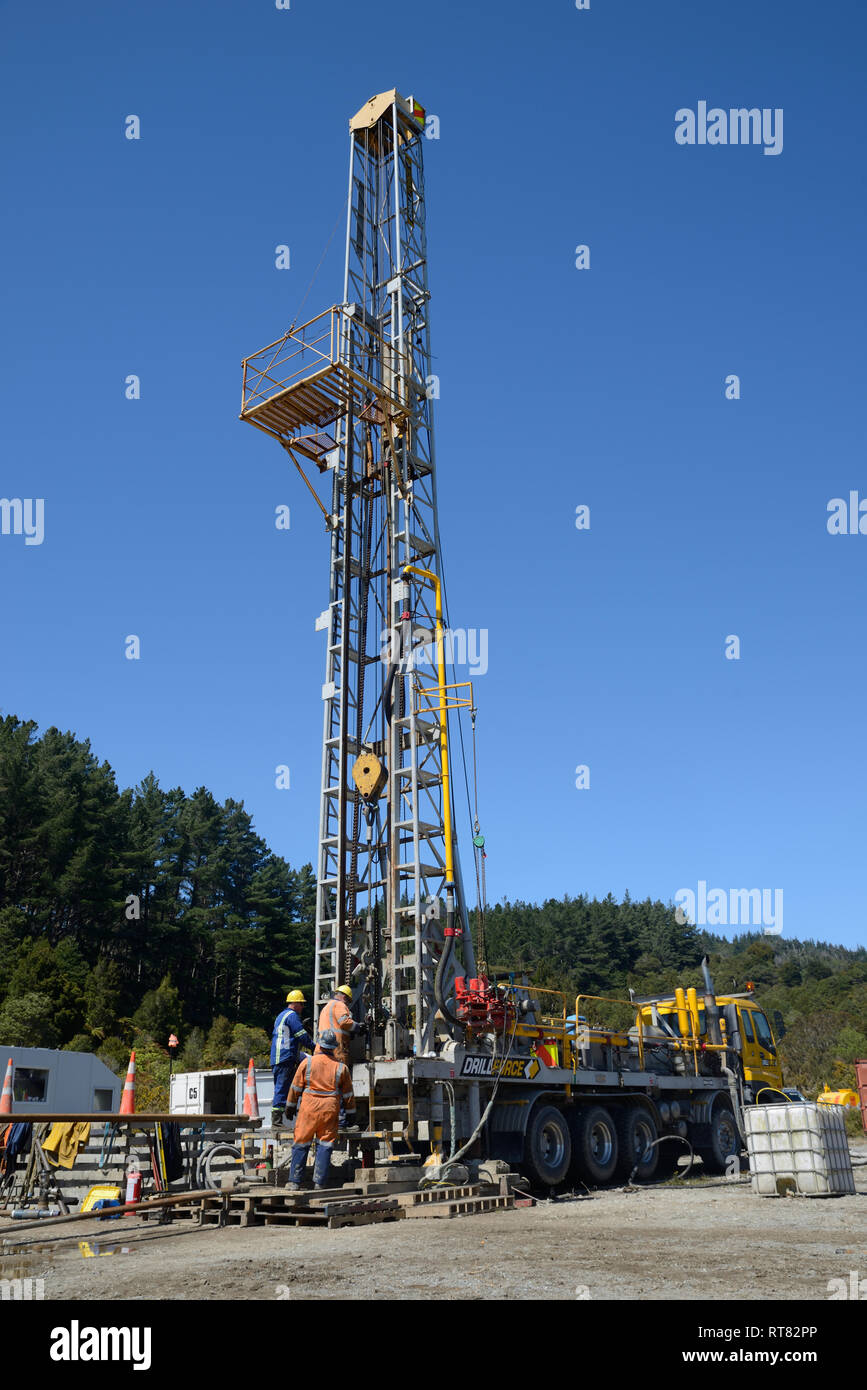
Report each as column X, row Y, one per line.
column 445, row 957
column 387, row 702
column 666, row 1138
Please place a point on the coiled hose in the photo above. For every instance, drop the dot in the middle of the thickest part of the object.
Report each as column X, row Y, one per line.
column 203, row 1169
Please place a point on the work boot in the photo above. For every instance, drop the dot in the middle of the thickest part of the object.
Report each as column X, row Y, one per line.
column 293, row 1187
column 350, row 1129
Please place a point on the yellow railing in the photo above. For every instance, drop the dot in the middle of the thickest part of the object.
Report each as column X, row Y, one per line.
column 432, row 693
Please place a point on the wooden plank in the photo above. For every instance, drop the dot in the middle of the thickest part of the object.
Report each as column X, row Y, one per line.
column 147, row 1117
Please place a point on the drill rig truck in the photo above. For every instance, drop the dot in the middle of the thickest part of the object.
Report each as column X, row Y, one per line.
column 452, row 1062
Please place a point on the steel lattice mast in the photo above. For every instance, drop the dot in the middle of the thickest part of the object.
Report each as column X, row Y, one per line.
column 350, row 391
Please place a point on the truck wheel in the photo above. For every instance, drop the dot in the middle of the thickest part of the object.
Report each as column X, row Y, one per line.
column 636, row 1131
column 724, row 1142
column 596, row 1146
column 547, row 1147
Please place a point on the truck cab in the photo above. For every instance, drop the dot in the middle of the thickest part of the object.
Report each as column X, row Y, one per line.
column 759, row 1055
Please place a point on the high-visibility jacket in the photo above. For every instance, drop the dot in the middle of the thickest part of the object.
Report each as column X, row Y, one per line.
column 337, row 1015
column 289, row 1035
column 319, row 1085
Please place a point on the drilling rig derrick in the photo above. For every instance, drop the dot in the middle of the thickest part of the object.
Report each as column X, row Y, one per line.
column 349, row 392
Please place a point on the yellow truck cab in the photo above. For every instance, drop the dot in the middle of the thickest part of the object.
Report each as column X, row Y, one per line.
column 759, row 1055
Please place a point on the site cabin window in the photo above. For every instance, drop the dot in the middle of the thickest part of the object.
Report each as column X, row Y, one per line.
column 30, row 1085
column 102, row 1100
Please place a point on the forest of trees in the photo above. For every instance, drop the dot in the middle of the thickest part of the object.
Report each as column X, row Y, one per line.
column 128, row 914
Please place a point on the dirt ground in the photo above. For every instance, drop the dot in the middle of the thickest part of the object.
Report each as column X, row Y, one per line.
column 725, row 1243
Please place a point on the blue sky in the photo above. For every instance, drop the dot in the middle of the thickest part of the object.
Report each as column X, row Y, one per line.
column 559, row 387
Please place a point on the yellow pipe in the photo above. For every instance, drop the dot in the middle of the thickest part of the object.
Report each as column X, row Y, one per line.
column 692, row 1000
column 444, row 737
column 682, row 1016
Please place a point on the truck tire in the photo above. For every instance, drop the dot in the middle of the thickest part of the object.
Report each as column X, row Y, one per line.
column 547, row 1147
column 636, row 1131
column 595, row 1145
column 723, row 1142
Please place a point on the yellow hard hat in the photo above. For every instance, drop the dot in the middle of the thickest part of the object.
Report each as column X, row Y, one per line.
column 344, row 989
column 296, row 997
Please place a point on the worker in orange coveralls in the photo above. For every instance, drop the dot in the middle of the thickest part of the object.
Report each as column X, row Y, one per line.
column 323, row 1087
column 336, row 1015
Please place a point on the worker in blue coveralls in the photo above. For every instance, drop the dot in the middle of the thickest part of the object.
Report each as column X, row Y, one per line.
column 288, row 1038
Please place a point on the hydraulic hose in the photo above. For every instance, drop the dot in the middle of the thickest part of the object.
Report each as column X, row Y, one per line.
column 388, row 691
column 215, row 1151
column 760, row 1092
column 448, row 947
column 665, row 1139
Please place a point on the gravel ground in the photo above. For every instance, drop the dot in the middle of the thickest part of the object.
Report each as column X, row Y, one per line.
column 723, row 1243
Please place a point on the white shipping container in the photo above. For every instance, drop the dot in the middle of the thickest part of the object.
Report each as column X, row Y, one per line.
column 219, row 1092
column 800, row 1148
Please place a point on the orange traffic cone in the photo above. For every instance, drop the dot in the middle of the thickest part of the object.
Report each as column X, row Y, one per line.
column 251, row 1095
column 127, row 1100
column 6, row 1098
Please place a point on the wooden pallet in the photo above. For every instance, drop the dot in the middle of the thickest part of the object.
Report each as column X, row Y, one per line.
column 340, row 1208
column 431, row 1196
column 178, row 1213
column 276, row 1208
column 463, row 1206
